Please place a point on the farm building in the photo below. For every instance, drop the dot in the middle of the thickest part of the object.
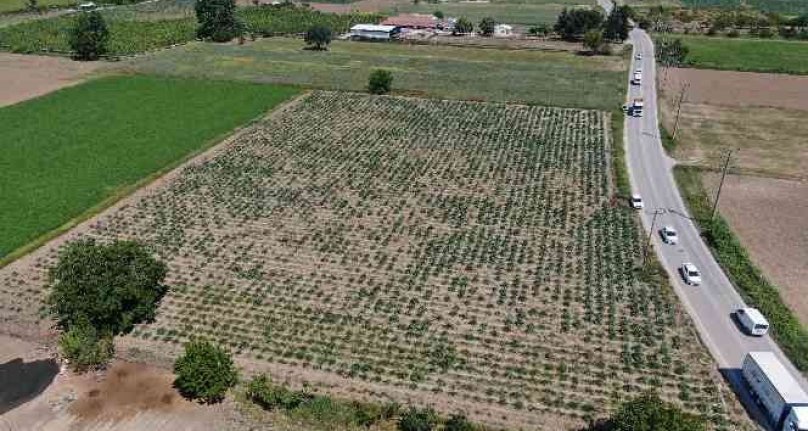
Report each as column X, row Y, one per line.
column 373, row 32
column 415, row 20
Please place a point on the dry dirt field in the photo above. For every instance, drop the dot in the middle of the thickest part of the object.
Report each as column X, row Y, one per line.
column 28, row 76
column 458, row 254
column 769, row 216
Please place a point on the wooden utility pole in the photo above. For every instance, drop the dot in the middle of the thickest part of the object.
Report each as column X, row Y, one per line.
column 685, row 87
column 657, row 211
column 721, row 184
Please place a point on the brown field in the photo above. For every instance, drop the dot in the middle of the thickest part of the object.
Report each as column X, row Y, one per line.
column 769, row 216
column 456, row 254
column 28, row 76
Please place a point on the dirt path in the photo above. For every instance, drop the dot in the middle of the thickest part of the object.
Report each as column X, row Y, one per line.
column 28, row 76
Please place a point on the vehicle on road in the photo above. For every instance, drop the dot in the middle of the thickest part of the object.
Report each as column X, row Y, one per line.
column 752, row 321
column 638, row 56
column 636, row 202
column 636, row 79
column 635, row 108
column 669, row 235
column 776, row 391
column 690, row 274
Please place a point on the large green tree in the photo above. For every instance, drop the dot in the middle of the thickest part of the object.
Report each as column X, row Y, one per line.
column 617, row 24
column 89, row 35
column 318, row 37
column 487, row 26
column 217, row 20
column 110, row 287
column 572, row 24
column 204, row 372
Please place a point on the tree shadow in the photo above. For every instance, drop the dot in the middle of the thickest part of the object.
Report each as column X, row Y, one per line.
column 22, row 381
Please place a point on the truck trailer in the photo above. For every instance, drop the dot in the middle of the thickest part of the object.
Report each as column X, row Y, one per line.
column 784, row 402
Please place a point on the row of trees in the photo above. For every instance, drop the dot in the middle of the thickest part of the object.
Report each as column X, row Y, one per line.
column 590, row 26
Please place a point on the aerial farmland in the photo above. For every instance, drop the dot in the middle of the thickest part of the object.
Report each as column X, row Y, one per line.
column 465, row 255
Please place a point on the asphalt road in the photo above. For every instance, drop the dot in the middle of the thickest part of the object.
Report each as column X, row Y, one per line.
column 710, row 305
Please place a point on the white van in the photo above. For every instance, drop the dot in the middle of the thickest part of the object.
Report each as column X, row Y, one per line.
column 752, row 321
column 637, row 79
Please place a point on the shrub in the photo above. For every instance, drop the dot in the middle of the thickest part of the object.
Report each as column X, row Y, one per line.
column 111, row 287
column 463, row 26
column 89, row 36
column 416, row 419
column 380, row 81
column 318, row 37
column 487, row 26
column 458, row 422
column 733, row 33
column 593, row 40
column 217, row 20
column 438, row 14
column 541, row 30
column 85, row 348
column 269, row 396
column 204, row 372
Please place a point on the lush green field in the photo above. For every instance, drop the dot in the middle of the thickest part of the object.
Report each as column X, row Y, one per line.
column 756, row 55
column 538, row 77
column 794, row 7
column 65, row 153
column 522, row 12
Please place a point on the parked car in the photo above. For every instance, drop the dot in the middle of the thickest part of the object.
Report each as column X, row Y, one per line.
column 87, row 6
column 690, row 274
column 752, row 321
column 636, row 202
column 669, row 235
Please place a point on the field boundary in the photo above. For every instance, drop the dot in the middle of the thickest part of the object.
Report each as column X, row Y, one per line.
column 119, row 195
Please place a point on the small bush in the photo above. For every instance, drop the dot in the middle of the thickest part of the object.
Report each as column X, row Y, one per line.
column 463, row 26
column 85, row 348
column 487, row 26
column 204, row 372
column 269, row 396
column 416, row 419
column 318, row 37
column 380, row 81
column 458, row 422
column 89, row 36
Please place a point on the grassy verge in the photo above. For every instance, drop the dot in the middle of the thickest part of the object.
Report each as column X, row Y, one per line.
column 756, row 290
column 752, row 55
column 667, row 140
column 75, row 151
column 619, row 168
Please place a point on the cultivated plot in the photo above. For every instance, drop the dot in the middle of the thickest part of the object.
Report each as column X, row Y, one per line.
column 461, row 254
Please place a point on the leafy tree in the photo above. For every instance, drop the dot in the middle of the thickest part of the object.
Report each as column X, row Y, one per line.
column 438, row 14
column 204, row 372
column 487, row 26
column 380, row 81
column 88, row 37
column 671, row 52
column 85, row 348
column 458, row 422
column 217, row 20
column 463, row 26
column 594, row 41
column 649, row 413
column 318, row 37
column 572, row 24
column 617, row 24
column 110, row 287
column 541, row 30
column 416, row 419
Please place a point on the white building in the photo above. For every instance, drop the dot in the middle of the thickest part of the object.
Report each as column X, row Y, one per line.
column 501, row 30
column 373, row 32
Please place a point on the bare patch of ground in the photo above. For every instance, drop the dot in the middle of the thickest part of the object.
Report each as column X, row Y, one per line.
column 741, row 89
column 769, row 217
column 28, row 76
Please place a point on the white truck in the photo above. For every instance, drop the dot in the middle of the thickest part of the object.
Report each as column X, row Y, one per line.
column 635, row 108
column 636, row 79
column 776, row 391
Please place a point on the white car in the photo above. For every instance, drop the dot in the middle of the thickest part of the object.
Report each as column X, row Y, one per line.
column 669, row 235
column 638, row 56
column 690, row 274
column 636, row 79
column 636, row 202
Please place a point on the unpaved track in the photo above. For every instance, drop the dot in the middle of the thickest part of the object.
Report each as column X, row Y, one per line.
column 28, row 76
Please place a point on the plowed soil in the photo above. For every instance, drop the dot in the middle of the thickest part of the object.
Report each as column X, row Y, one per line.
column 28, row 76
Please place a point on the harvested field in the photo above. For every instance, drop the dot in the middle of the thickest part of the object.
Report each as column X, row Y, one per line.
column 768, row 215
column 459, row 254
column 738, row 89
column 28, row 76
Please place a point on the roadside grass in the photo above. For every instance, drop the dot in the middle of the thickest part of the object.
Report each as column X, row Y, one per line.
column 752, row 284
column 66, row 153
column 527, row 76
column 750, row 55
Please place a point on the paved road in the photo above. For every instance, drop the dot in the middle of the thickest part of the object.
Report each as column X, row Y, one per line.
column 650, row 171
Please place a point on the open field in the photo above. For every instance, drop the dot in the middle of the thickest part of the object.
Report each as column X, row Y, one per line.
column 69, row 151
column 521, row 12
column 768, row 215
column 789, row 7
column 723, row 110
column 27, row 76
column 460, row 254
column 19, row 5
column 752, row 55
column 536, row 77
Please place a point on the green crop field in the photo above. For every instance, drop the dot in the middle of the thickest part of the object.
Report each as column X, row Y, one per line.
column 536, row 77
column 67, row 152
column 522, row 12
column 754, row 55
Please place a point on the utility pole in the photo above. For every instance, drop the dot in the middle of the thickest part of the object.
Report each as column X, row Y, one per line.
column 657, row 211
column 685, row 87
column 721, row 184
